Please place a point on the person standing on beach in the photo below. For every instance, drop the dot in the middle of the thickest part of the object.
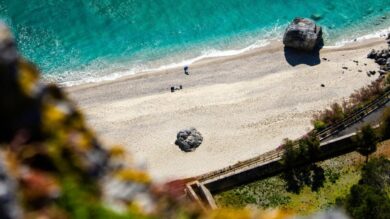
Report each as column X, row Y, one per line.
column 186, row 70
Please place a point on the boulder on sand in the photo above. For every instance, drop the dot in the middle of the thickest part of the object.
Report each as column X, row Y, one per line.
column 381, row 57
column 188, row 139
column 303, row 34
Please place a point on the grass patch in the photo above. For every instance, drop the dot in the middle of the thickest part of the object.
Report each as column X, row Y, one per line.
column 267, row 193
column 308, row 202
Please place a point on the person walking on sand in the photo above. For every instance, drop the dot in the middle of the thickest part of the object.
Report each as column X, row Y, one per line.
column 186, row 70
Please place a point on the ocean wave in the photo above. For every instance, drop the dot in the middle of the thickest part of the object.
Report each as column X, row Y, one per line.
column 344, row 42
column 117, row 74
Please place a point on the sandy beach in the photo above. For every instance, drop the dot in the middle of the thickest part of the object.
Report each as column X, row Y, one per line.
column 243, row 105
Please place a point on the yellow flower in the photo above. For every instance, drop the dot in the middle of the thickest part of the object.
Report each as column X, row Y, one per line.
column 28, row 78
column 82, row 140
column 117, row 151
column 224, row 213
column 276, row 214
column 52, row 116
column 133, row 175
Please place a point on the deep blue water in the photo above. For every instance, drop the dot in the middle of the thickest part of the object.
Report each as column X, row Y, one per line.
column 74, row 39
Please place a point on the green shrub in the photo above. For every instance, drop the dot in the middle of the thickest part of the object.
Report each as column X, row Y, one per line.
column 385, row 125
column 319, row 125
column 332, row 176
column 365, row 202
column 366, row 141
column 376, row 173
column 296, row 177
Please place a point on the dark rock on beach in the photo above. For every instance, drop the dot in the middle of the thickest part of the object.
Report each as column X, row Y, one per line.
column 372, row 54
column 188, row 139
column 381, row 72
column 381, row 61
column 382, row 58
column 303, row 34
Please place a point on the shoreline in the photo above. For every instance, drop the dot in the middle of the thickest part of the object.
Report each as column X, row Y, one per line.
column 346, row 46
column 123, row 73
column 243, row 105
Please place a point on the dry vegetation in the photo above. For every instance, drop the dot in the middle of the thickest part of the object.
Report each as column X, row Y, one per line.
column 337, row 111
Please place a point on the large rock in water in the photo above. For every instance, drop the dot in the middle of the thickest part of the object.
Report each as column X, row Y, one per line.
column 303, row 34
column 188, row 139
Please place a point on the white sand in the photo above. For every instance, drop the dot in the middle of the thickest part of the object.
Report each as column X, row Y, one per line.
column 243, row 105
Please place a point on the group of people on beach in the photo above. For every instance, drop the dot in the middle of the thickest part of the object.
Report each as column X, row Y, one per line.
column 173, row 88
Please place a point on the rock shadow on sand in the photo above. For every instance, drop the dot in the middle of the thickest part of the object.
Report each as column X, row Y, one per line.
column 296, row 57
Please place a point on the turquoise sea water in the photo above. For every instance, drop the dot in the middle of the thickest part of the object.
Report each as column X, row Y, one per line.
column 73, row 40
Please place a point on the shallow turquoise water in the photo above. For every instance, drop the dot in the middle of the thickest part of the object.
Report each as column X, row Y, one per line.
column 74, row 40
